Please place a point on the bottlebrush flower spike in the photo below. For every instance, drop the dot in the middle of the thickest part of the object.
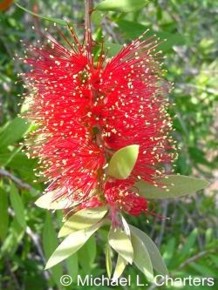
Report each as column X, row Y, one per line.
column 86, row 109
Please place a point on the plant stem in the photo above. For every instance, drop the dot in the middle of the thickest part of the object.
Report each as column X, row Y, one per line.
column 88, row 29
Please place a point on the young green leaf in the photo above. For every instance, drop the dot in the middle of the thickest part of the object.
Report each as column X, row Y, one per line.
column 141, row 257
column 54, row 20
column 83, row 219
column 121, row 5
column 123, row 162
column 108, row 260
column 121, row 243
column 174, row 186
column 70, row 245
column 155, row 256
column 120, row 267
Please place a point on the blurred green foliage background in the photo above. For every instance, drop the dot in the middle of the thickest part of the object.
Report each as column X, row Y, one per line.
column 188, row 239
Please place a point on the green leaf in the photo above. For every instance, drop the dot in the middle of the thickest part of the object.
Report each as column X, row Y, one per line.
column 70, row 245
column 120, row 267
column 121, row 5
column 121, row 243
column 13, row 131
column 72, row 264
column 48, row 201
column 155, row 256
column 132, row 30
column 108, row 254
column 112, row 48
column 170, row 250
column 7, row 156
column 123, row 162
column 13, row 239
column 54, row 20
column 17, row 205
column 50, row 242
column 83, row 219
column 49, row 237
column 188, row 245
column 204, row 269
column 174, row 186
column 141, row 257
column 4, row 214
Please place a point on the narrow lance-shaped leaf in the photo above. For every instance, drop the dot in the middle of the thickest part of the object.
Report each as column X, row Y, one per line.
column 87, row 255
column 70, row 245
column 48, row 201
column 108, row 260
column 152, row 249
column 54, row 20
column 72, row 264
column 172, row 186
column 189, row 244
column 50, row 242
column 17, row 204
column 4, row 214
column 141, row 257
column 120, row 267
column 123, row 162
column 121, row 5
column 125, row 226
column 83, row 219
column 121, row 243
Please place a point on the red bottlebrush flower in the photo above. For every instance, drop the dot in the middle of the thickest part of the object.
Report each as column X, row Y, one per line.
column 87, row 109
column 119, row 194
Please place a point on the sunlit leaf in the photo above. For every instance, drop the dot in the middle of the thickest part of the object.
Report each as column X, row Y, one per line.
column 123, row 162
column 121, row 243
column 141, row 257
column 49, row 201
column 174, row 186
column 83, row 219
column 108, row 260
column 121, row 5
column 125, row 226
column 120, row 267
column 155, row 256
column 70, row 245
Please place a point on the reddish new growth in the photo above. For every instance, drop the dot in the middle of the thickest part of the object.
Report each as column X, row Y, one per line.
column 85, row 109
